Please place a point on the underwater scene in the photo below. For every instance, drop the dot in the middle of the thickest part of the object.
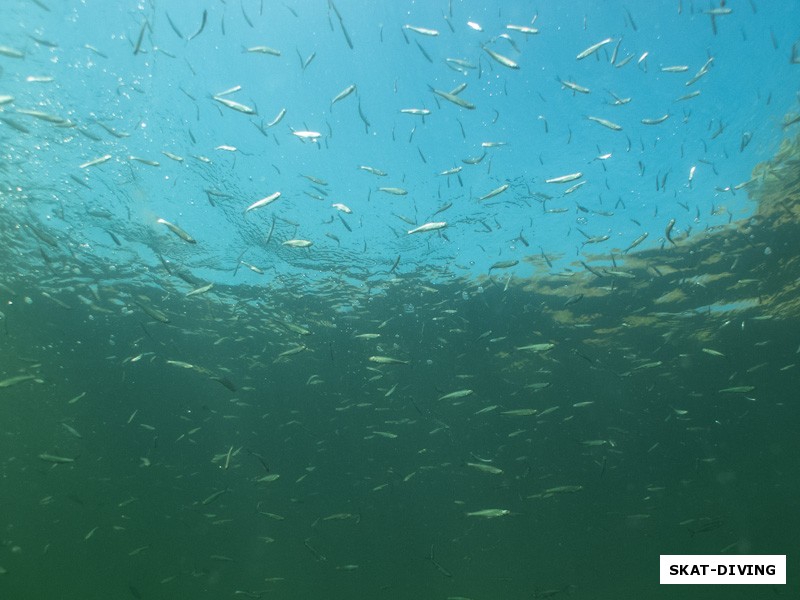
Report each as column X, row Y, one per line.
column 446, row 300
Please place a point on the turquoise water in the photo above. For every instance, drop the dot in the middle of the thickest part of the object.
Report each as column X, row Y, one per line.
column 199, row 409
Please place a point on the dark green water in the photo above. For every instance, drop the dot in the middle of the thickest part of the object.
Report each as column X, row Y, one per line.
column 659, row 454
